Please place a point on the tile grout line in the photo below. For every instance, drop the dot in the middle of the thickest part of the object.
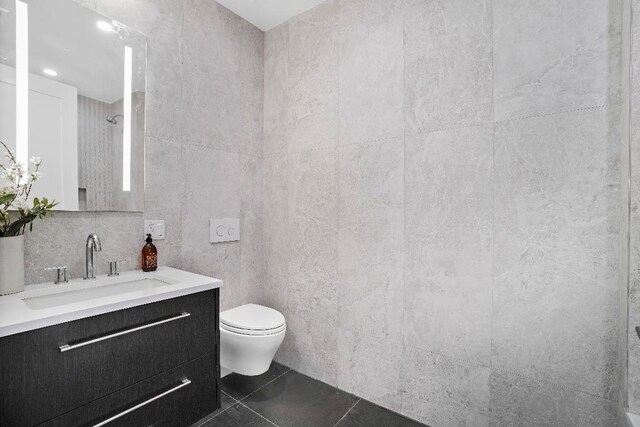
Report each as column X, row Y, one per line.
column 493, row 194
column 223, row 410
column 626, row 113
column 338, row 182
column 347, row 413
column 182, row 120
column 211, row 418
column 262, row 386
column 229, row 396
column 261, row 416
column 403, row 337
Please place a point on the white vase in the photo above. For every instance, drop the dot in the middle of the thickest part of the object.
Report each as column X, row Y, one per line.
column 11, row 265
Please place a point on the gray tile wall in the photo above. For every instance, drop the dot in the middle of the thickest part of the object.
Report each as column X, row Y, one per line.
column 634, row 229
column 203, row 151
column 442, row 205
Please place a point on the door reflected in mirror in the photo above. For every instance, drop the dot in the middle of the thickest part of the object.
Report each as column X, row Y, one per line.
column 72, row 92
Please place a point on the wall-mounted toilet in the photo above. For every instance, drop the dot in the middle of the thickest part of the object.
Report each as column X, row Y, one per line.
column 249, row 338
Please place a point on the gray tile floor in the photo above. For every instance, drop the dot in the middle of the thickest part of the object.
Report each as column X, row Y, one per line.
column 285, row 398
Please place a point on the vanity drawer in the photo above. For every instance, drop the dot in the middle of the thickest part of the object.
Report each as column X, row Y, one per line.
column 179, row 397
column 52, row 370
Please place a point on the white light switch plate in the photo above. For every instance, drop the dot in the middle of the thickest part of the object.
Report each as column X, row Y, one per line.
column 224, row 230
column 155, row 227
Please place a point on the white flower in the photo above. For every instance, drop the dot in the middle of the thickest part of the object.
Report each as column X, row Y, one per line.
column 35, row 176
column 9, row 175
column 36, row 161
column 20, row 203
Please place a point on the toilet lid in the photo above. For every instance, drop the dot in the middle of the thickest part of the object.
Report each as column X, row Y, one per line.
column 252, row 317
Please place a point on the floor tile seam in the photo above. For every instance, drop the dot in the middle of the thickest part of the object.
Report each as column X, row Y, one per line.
column 217, row 413
column 214, row 417
column 229, row 396
column 258, row 414
column 264, row 385
column 204, row 422
column 347, row 413
column 220, row 412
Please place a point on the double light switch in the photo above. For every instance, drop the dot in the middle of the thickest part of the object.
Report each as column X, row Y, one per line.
column 155, row 227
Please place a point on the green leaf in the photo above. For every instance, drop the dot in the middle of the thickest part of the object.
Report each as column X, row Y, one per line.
column 6, row 198
column 15, row 228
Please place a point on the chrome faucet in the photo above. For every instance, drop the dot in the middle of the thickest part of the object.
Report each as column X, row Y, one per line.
column 93, row 245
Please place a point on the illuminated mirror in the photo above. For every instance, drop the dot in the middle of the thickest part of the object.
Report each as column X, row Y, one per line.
column 72, row 92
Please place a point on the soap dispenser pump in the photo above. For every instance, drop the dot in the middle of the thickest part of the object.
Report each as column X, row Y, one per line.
column 149, row 256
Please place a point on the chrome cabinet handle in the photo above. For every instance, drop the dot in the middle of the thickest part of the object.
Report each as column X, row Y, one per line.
column 68, row 347
column 184, row 383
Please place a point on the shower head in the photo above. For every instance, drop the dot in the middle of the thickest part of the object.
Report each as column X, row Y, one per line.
column 114, row 119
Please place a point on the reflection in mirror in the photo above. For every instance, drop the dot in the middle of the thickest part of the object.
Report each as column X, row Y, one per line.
column 72, row 92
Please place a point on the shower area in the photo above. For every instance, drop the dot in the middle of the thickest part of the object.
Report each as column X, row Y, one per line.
column 100, row 133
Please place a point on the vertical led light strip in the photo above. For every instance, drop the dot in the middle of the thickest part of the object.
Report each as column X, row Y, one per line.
column 22, row 83
column 126, row 133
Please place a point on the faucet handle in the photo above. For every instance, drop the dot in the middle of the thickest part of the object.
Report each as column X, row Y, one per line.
column 113, row 267
column 61, row 274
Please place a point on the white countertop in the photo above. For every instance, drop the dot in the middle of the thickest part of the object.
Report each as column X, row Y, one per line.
column 17, row 317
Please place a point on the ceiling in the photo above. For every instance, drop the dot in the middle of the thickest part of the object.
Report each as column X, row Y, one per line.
column 63, row 36
column 267, row 14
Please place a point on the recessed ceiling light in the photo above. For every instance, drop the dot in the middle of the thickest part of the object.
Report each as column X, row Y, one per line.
column 50, row 72
column 104, row 26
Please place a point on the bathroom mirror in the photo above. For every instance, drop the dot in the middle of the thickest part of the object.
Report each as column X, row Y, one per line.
column 72, row 92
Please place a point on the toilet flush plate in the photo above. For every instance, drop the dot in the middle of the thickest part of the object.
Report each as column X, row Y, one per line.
column 224, row 230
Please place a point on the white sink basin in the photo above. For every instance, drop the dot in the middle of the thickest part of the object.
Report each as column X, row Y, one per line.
column 46, row 304
column 100, row 290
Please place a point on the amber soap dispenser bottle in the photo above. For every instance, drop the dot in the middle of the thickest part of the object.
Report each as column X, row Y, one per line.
column 149, row 255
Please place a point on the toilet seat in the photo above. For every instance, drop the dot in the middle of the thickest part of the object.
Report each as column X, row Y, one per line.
column 254, row 332
column 252, row 319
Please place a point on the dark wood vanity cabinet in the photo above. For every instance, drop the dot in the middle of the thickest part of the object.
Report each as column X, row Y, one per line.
column 155, row 364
